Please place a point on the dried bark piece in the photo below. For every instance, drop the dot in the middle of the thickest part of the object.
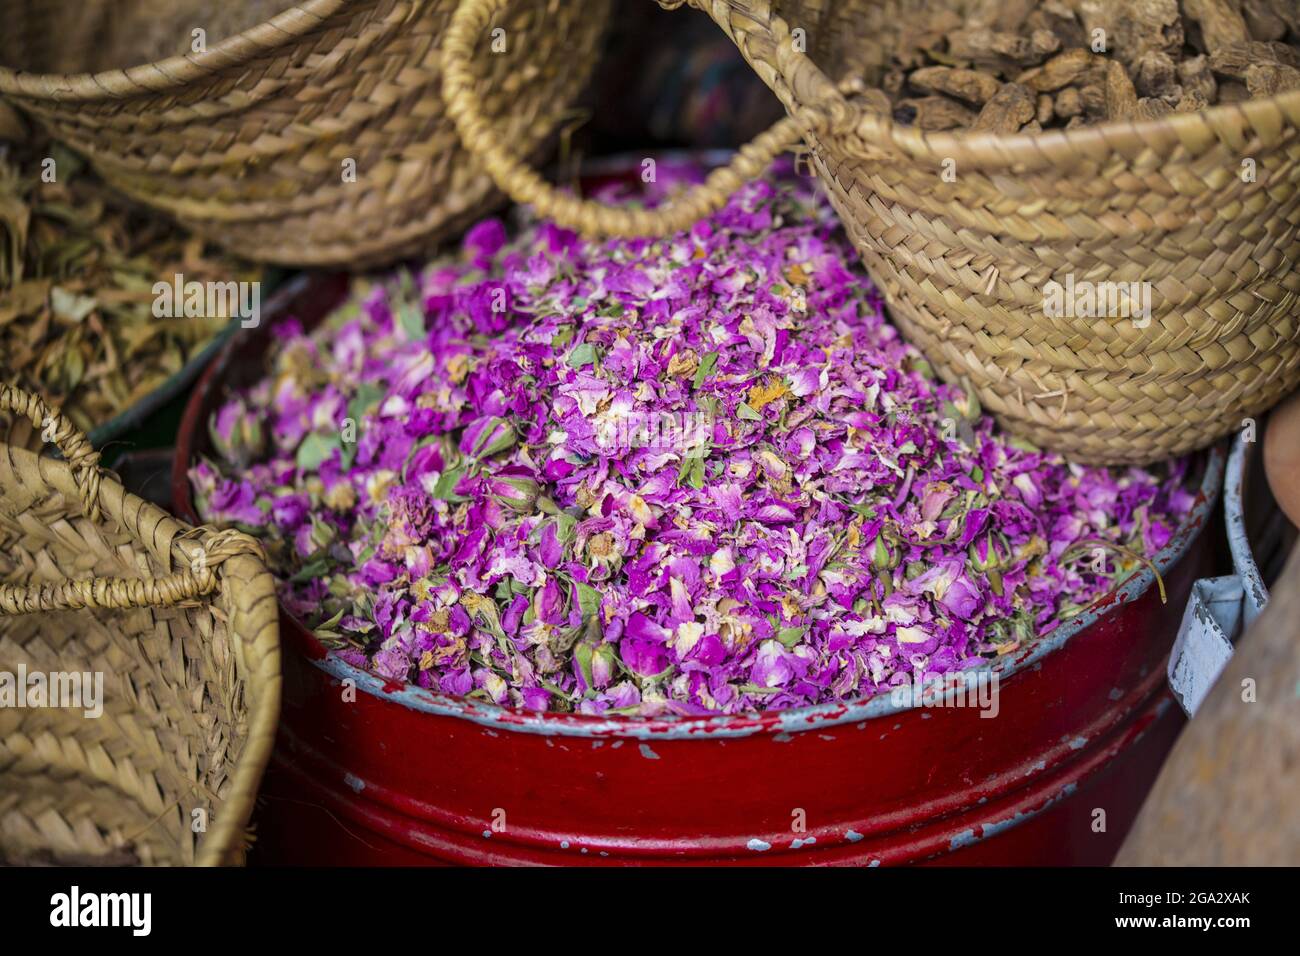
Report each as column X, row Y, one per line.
column 1010, row 108
column 1235, row 58
column 1058, row 18
column 1150, row 26
column 1174, row 96
column 972, row 86
column 1068, row 103
column 978, row 47
column 1195, row 76
column 1121, row 97
column 1272, row 50
column 921, row 37
column 1044, row 110
column 1221, row 22
column 934, row 113
column 1093, row 98
column 1061, row 70
column 1043, row 43
column 1154, row 74
column 1269, row 79
column 1135, row 27
column 1192, row 101
column 1000, row 52
column 1150, row 107
column 1262, row 20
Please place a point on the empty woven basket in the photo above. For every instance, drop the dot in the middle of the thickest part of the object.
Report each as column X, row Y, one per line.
column 179, row 623
column 965, row 264
column 314, row 136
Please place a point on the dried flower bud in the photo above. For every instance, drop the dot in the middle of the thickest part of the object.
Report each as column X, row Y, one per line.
column 517, row 491
column 884, row 557
column 322, row 534
column 486, row 437
column 237, row 434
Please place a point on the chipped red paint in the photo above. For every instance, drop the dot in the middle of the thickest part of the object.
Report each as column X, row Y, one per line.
column 940, row 785
column 406, row 776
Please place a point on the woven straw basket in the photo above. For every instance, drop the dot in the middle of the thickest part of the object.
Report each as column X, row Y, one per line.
column 248, row 141
column 181, row 623
column 964, row 265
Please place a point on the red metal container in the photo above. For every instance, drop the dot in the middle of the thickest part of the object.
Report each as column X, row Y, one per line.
column 371, row 772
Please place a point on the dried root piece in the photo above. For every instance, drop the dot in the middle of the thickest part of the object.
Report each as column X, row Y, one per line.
column 1121, row 97
column 969, row 85
column 1043, row 109
column 1068, row 103
column 1057, row 18
column 1001, row 52
column 1093, row 98
column 1234, row 59
column 1196, row 78
column 1192, row 101
column 1150, row 26
column 1221, row 22
column 1149, row 107
column 1154, row 74
column 1269, row 79
column 1061, row 70
column 922, row 37
column 1010, row 108
column 933, row 113
column 893, row 82
column 1135, row 27
column 1043, row 43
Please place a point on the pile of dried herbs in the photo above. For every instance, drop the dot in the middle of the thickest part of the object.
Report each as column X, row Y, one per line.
column 1030, row 65
column 76, row 290
column 691, row 475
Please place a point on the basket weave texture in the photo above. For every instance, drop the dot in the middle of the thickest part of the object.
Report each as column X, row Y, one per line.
column 965, row 264
column 182, row 624
column 247, row 142
column 966, row 232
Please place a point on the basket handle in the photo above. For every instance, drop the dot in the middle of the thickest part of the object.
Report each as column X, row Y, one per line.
column 588, row 217
column 76, row 448
column 119, row 593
